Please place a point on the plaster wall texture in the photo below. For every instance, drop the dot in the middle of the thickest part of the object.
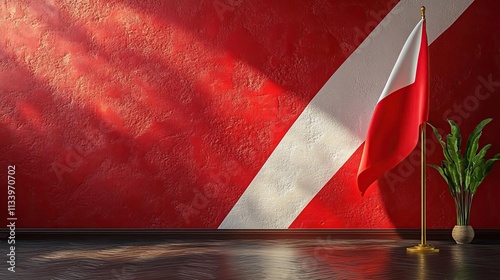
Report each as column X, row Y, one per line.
column 230, row 114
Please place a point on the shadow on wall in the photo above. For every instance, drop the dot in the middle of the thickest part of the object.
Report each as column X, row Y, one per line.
column 106, row 128
column 314, row 40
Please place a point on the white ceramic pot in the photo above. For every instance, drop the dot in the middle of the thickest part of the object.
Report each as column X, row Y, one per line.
column 463, row 234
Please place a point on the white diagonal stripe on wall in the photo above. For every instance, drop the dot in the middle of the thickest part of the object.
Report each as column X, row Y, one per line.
column 334, row 123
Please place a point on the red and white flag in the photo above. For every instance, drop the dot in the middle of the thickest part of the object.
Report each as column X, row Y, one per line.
column 403, row 106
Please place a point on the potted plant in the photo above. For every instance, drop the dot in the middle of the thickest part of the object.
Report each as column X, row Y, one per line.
column 463, row 173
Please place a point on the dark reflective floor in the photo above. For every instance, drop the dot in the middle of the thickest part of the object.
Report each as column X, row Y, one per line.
column 249, row 259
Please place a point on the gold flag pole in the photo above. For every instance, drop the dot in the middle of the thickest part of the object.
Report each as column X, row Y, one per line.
column 423, row 247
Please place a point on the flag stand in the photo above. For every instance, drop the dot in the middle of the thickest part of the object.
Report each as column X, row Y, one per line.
column 423, row 247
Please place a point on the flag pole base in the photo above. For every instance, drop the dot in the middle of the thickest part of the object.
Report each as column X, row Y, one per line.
column 422, row 249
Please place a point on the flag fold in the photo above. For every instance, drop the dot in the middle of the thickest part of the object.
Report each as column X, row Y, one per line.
column 403, row 106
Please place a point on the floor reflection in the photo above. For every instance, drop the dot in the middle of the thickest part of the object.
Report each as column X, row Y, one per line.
column 250, row 259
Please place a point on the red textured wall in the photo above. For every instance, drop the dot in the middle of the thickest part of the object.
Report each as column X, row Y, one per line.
column 158, row 114
column 465, row 87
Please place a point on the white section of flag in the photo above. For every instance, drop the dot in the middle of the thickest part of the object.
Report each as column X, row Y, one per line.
column 407, row 60
column 334, row 123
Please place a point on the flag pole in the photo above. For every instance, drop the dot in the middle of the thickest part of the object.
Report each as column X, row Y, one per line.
column 423, row 247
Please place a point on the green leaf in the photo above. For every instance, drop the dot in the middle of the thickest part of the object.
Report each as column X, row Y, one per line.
column 481, row 154
column 452, row 171
column 482, row 170
column 476, row 178
column 440, row 139
column 468, row 174
column 441, row 171
column 455, row 131
column 473, row 140
column 454, row 152
column 474, row 145
column 488, row 165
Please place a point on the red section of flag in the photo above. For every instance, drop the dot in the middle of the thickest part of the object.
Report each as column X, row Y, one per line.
column 394, row 127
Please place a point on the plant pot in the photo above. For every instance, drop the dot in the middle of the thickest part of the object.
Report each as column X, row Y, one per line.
column 463, row 234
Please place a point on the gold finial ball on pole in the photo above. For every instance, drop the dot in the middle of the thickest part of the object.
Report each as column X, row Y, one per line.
column 422, row 11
